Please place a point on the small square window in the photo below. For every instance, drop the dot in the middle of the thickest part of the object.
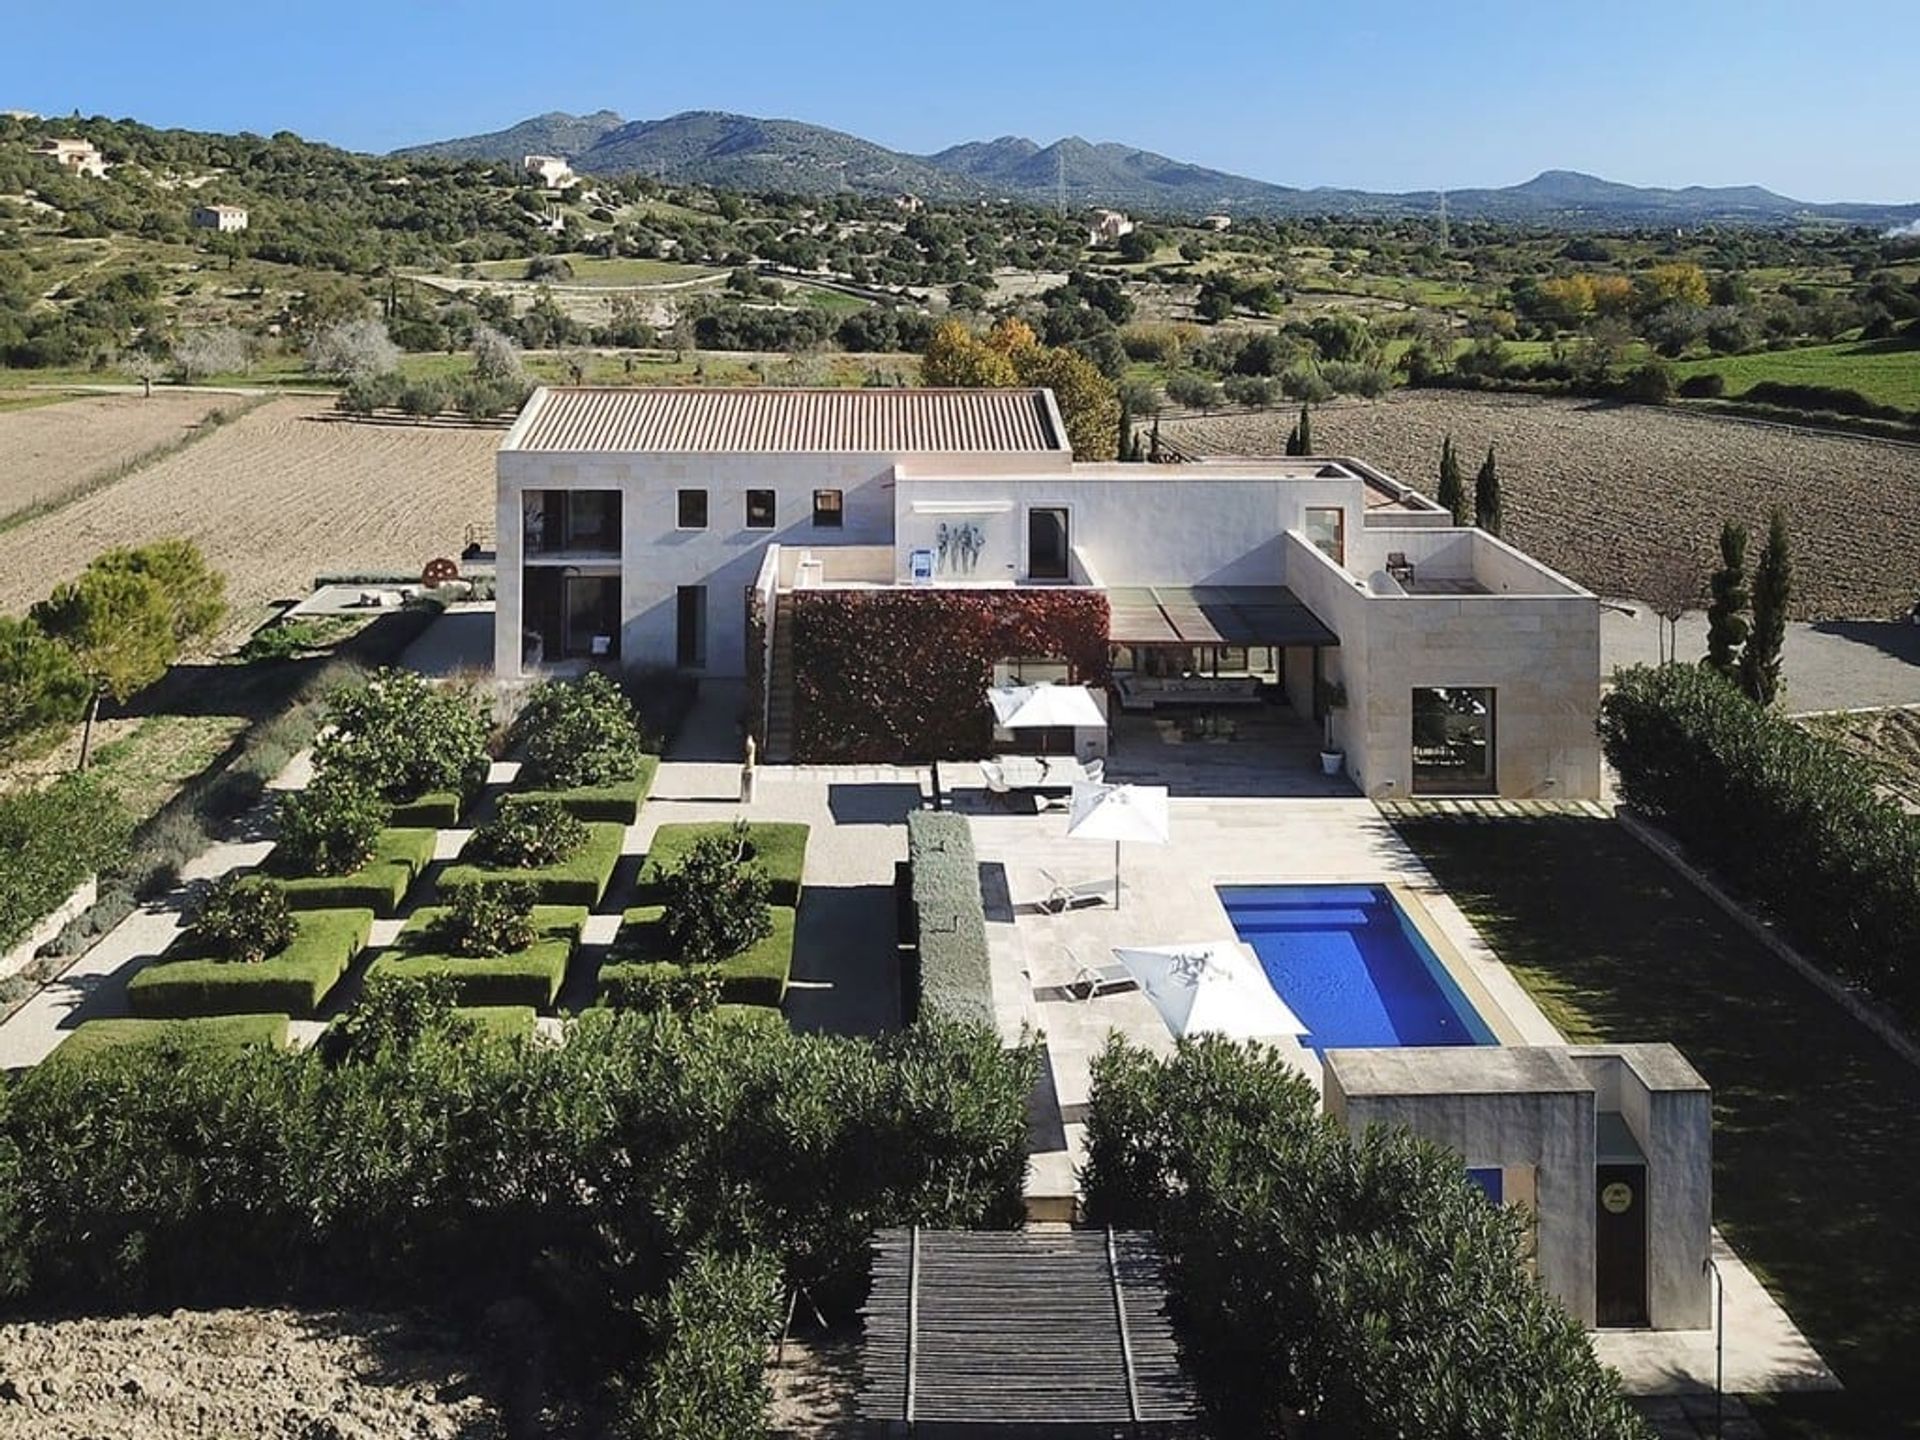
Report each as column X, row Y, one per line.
column 760, row 509
column 693, row 509
column 826, row 509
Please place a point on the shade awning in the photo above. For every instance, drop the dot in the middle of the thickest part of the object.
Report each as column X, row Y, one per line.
column 1213, row 615
column 1044, row 707
column 1209, row 988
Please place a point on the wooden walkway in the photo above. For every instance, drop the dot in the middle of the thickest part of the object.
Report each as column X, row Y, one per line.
column 1482, row 811
column 1018, row 1331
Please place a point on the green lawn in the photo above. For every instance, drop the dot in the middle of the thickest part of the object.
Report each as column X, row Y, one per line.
column 833, row 302
column 1816, row 1122
column 1885, row 371
column 595, row 270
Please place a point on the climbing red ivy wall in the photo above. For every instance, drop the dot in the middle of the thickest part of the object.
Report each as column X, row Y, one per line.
column 896, row 675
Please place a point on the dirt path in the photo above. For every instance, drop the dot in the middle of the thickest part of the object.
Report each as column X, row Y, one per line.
column 274, row 1373
column 1597, row 490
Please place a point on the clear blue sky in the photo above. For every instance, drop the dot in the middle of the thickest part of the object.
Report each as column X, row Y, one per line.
column 1814, row 100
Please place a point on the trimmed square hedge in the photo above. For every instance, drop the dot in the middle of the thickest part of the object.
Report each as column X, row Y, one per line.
column 399, row 855
column 953, row 977
column 619, row 802
column 780, row 846
column 757, row 976
column 436, row 810
column 581, row 879
column 211, row 1032
column 180, row 985
column 530, row 977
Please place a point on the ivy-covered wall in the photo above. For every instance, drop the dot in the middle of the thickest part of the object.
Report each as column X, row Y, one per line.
column 894, row 675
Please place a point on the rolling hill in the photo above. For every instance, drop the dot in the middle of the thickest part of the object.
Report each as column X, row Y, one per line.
column 742, row 152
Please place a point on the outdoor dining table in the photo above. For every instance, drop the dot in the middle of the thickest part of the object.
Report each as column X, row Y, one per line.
column 1042, row 772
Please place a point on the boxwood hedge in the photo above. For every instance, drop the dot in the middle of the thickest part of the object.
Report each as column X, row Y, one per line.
column 530, row 977
column 180, row 984
column 757, row 976
column 780, row 848
column 580, row 879
column 435, row 810
column 619, row 801
column 209, row 1032
column 951, row 974
column 399, row 855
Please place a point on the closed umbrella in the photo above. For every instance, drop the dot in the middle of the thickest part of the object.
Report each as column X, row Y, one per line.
column 1045, row 707
column 1118, row 813
column 1209, row 988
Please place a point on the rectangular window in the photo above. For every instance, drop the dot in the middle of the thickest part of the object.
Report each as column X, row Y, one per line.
column 760, row 509
column 1047, row 555
column 1453, row 741
column 691, row 640
column 693, row 509
column 827, row 511
column 1327, row 531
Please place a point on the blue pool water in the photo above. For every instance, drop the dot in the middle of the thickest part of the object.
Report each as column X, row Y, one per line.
column 1347, row 963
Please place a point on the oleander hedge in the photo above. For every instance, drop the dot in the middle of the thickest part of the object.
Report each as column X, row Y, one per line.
column 399, row 856
column 581, row 879
column 528, row 977
column 1790, row 821
column 619, row 801
column 207, row 1032
column 780, row 848
column 181, row 984
column 950, row 974
column 757, row 976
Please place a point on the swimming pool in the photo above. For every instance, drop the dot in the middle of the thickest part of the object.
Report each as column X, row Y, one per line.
column 1348, row 962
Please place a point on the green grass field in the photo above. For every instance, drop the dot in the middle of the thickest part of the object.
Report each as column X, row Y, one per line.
column 1815, row 1180
column 592, row 270
column 1885, row 371
column 833, row 302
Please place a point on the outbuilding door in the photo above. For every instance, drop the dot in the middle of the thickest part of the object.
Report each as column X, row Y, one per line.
column 1620, row 1245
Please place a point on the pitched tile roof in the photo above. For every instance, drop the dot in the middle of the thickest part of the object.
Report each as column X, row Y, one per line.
column 771, row 420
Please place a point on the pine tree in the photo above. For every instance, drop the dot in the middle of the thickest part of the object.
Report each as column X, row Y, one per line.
column 1453, row 487
column 1306, row 431
column 1727, row 612
column 1772, row 585
column 1486, row 496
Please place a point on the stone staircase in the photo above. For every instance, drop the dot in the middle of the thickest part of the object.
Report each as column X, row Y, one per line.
column 1485, row 810
column 780, row 690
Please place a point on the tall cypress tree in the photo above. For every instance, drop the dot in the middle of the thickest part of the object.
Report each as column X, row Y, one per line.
column 1772, row 585
column 1124, row 452
column 1727, row 612
column 1486, row 496
column 1453, row 486
column 1306, row 431
column 1293, row 441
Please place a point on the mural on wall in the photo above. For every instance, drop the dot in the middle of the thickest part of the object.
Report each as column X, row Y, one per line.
column 959, row 547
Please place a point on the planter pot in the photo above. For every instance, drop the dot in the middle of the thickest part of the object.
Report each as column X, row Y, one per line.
column 1331, row 761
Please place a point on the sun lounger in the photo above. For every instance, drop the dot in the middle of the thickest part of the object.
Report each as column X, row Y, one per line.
column 1063, row 897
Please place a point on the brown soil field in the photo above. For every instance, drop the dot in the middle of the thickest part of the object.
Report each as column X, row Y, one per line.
column 1600, row 492
column 47, row 451
column 343, row 1376
column 285, row 493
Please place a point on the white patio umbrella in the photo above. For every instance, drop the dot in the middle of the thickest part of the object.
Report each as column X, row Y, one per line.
column 1044, row 707
column 1118, row 813
column 1209, row 988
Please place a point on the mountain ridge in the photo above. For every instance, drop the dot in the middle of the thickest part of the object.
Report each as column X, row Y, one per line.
column 744, row 152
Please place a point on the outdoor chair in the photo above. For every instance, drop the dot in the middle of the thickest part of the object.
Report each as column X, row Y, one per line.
column 1399, row 567
column 999, row 792
column 1063, row 897
column 1109, row 977
column 1095, row 770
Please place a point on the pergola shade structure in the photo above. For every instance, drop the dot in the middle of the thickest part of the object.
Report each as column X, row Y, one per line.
column 1004, row 1333
column 1144, row 616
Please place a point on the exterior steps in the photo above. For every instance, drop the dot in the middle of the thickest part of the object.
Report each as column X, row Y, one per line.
column 780, row 689
column 1481, row 811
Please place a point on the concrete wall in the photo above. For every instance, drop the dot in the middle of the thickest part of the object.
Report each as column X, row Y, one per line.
column 1548, row 1125
column 1145, row 525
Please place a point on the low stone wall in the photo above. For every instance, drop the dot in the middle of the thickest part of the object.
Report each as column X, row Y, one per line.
column 16, row 959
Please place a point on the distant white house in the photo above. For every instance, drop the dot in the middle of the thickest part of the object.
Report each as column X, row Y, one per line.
column 76, row 157
column 227, row 219
column 1107, row 226
column 1216, row 222
column 912, row 204
column 552, row 171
